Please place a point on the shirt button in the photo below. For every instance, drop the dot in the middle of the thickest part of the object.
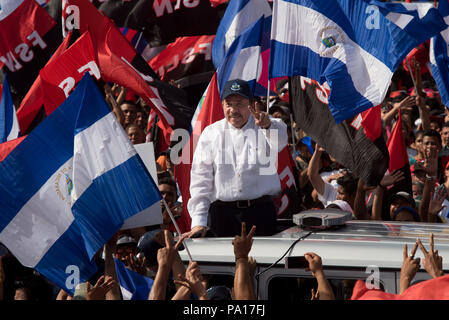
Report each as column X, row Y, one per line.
column 240, row 190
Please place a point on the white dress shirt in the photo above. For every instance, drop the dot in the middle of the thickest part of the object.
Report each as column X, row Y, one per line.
column 232, row 164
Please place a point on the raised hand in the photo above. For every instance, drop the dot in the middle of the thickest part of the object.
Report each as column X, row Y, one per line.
column 137, row 265
column 100, row 289
column 390, row 179
column 315, row 263
column 433, row 263
column 406, row 104
column 410, row 266
column 193, row 280
column 166, row 255
column 261, row 118
column 243, row 243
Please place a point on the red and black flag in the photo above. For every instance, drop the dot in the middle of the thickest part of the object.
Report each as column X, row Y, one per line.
column 356, row 143
column 399, row 158
column 187, row 56
column 162, row 21
column 28, row 37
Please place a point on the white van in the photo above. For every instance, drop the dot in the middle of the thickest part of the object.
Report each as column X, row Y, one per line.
column 367, row 250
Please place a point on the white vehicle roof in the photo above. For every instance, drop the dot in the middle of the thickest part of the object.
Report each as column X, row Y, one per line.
column 358, row 244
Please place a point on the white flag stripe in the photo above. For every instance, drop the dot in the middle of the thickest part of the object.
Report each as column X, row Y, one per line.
column 246, row 17
column 15, row 130
column 32, row 232
column 247, row 67
column 98, row 149
column 368, row 73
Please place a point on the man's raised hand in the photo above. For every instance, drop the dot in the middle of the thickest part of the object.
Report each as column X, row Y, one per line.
column 261, row 118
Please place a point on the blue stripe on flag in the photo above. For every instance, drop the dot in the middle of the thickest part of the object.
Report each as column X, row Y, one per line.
column 249, row 38
column 219, row 45
column 323, row 69
column 7, row 113
column 439, row 59
column 371, row 54
column 22, row 175
column 109, row 196
column 67, row 259
column 139, row 286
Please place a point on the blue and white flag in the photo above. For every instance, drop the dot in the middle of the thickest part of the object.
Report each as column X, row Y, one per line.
column 439, row 56
column 239, row 16
column 69, row 186
column 9, row 126
column 242, row 60
column 354, row 45
column 132, row 285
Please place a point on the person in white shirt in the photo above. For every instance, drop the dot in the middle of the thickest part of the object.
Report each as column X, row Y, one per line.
column 233, row 173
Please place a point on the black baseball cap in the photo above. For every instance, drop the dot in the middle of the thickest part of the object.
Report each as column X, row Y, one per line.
column 237, row 86
column 403, row 195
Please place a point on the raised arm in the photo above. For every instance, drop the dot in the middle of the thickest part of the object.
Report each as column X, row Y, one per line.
column 424, row 113
column 165, row 258
column 324, row 290
column 109, row 269
column 410, row 266
column 243, row 282
column 314, row 168
column 433, row 263
column 386, row 181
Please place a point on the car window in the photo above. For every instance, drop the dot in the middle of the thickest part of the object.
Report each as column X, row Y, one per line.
column 294, row 289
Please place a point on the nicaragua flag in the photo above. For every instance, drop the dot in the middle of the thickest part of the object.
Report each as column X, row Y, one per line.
column 132, row 285
column 439, row 56
column 242, row 61
column 9, row 126
column 69, row 186
column 354, row 45
column 239, row 16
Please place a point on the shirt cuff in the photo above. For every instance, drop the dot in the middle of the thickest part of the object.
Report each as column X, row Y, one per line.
column 199, row 220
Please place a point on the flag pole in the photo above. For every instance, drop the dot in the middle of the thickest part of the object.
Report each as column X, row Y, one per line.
column 411, row 75
column 176, row 226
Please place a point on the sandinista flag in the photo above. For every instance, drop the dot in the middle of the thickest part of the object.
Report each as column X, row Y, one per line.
column 120, row 63
column 433, row 289
column 184, row 57
column 90, row 181
column 356, row 143
column 22, row 25
column 338, row 42
column 162, row 21
column 60, row 76
column 399, row 158
column 32, row 105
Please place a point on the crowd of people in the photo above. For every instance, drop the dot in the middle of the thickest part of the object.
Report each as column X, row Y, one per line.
column 230, row 199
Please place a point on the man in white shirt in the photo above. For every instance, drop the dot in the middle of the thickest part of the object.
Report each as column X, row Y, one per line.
column 233, row 173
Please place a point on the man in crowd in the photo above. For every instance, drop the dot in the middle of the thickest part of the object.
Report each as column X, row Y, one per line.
column 129, row 111
column 229, row 182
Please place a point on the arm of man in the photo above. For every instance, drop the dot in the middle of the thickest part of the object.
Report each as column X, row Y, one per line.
column 201, row 184
column 313, row 170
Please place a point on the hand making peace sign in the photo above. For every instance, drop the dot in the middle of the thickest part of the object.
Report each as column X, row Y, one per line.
column 262, row 119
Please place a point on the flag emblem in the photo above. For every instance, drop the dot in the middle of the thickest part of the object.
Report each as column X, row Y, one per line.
column 330, row 38
column 64, row 186
column 235, row 86
column 329, row 41
column 69, row 184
